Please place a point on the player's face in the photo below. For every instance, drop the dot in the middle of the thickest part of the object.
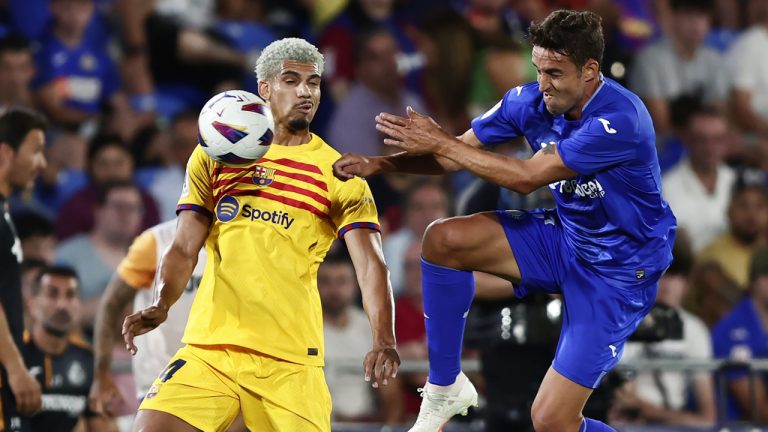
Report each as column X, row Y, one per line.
column 56, row 305
column 337, row 287
column 28, row 161
column 563, row 83
column 293, row 94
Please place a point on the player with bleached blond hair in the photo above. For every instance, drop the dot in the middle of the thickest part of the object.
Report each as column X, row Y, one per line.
column 254, row 340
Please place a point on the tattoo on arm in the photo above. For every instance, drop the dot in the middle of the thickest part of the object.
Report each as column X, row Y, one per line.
column 119, row 294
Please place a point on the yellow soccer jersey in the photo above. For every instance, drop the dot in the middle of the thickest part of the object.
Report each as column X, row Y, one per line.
column 273, row 222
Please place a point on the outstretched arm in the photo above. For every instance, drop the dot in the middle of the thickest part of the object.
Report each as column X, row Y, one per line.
column 364, row 247
column 174, row 272
column 420, row 135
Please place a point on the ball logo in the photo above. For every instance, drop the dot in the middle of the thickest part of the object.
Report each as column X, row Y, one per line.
column 227, row 208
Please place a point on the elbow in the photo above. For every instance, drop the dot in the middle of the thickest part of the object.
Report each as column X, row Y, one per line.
column 523, row 186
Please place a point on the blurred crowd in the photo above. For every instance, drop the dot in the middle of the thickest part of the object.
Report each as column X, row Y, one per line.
column 122, row 81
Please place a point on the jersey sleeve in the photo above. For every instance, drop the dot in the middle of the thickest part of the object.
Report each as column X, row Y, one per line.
column 138, row 267
column 502, row 122
column 601, row 143
column 354, row 207
column 197, row 190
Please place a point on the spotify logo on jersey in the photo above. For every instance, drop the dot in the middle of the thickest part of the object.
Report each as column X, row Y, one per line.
column 227, row 208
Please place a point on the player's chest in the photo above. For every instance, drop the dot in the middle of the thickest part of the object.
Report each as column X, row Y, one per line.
column 286, row 196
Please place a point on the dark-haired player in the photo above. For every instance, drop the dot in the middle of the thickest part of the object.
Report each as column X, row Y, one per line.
column 22, row 138
column 604, row 247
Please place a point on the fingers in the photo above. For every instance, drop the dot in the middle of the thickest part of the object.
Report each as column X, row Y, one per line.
column 129, row 333
column 412, row 114
column 368, row 363
column 390, row 129
column 341, row 168
column 392, row 119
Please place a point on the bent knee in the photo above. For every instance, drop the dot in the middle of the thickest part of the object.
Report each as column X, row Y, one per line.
column 550, row 419
column 441, row 241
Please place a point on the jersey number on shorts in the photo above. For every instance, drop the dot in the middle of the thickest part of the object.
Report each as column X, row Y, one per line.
column 171, row 369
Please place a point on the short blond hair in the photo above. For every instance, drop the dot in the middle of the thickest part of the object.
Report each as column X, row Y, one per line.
column 273, row 56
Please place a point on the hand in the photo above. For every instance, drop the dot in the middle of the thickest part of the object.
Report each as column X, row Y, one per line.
column 417, row 135
column 351, row 165
column 26, row 390
column 141, row 322
column 104, row 397
column 380, row 364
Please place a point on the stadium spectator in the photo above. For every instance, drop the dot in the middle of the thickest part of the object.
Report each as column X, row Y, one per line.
column 337, row 42
column 748, row 73
column 741, row 337
column 109, row 160
column 76, row 78
column 679, row 64
column 712, row 294
column 61, row 363
column 17, row 68
column 378, row 88
column 164, row 182
column 670, row 398
column 347, row 339
column 748, row 222
column 36, row 234
column 425, row 203
column 96, row 255
column 699, row 188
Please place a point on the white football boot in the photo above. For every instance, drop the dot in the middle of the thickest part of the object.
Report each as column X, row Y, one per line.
column 440, row 403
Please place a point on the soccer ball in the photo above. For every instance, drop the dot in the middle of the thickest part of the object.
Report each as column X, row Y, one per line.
column 235, row 127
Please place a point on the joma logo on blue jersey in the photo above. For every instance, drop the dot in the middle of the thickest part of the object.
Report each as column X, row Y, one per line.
column 590, row 189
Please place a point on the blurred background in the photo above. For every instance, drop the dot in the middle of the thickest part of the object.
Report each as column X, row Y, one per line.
column 122, row 82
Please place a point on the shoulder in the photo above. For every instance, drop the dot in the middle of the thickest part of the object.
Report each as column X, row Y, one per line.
column 78, row 345
column 734, row 319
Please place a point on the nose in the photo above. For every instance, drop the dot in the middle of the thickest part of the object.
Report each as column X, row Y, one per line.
column 543, row 82
column 42, row 163
column 302, row 90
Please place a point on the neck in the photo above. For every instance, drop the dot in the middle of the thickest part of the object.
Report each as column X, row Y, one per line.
column 707, row 175
column 18, row 96
column 116, row 242
column 682, row 51
column 575, row 113
column 47, row 342
column 69, row 38
column 339, row 319
column 288, row 137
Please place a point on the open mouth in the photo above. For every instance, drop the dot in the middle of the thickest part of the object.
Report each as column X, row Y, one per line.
column 305, row 108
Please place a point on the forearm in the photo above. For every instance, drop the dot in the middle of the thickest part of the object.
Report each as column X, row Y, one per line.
column 174, row 273
column 378, row 303
column 108, row 319
column 424, row 164
column 493, row 167
column 10, row 357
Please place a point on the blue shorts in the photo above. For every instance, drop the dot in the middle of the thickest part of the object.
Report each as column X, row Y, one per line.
column 599, row 314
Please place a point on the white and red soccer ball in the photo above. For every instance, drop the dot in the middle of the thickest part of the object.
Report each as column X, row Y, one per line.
column 235, row 127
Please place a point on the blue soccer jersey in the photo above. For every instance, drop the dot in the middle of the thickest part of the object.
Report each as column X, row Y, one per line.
column 739, row 336
column 613, row 215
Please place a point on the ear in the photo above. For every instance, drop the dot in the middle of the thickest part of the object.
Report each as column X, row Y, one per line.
column 264, row 90
column 591, row 70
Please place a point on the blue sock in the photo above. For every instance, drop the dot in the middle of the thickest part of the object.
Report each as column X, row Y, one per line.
column 589, row 425
column 447, row 295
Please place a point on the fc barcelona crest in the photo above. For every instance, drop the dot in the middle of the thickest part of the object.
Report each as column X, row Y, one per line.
column 263, row 176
